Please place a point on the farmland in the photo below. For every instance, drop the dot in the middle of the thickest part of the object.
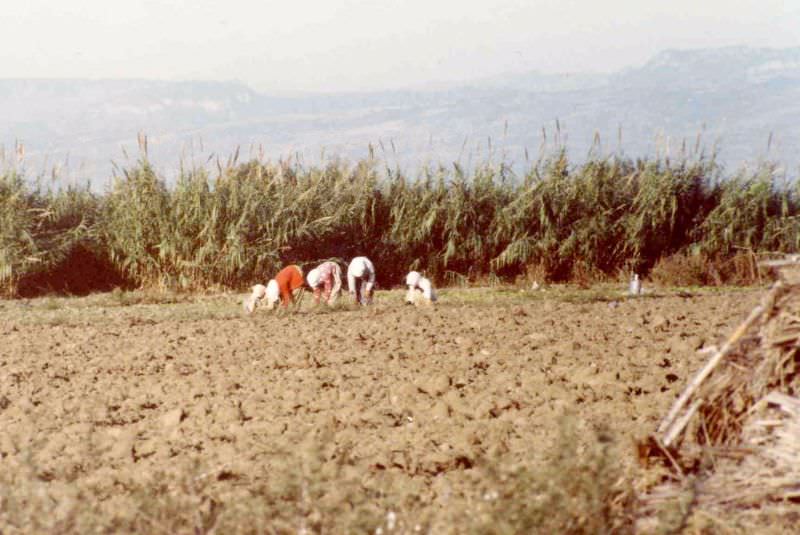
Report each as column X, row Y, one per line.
column 499, row 410
column 136, row 396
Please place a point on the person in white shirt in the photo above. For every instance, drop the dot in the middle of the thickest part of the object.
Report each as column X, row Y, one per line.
column 361, row 279
column 270, row 294
column 418, row 283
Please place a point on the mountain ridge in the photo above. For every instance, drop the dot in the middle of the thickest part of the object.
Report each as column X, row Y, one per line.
column 737, row 96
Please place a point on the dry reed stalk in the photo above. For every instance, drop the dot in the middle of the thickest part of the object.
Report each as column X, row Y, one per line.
column 666, row 426
column 748, row 419
column 761, row 481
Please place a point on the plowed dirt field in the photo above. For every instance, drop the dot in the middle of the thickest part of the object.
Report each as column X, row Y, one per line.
column 187, row 416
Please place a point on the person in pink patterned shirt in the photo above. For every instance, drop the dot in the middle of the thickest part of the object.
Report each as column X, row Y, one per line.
column 326, row 282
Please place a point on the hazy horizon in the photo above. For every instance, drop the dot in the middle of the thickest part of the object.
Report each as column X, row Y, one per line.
column 314, row 48
column 355, row 45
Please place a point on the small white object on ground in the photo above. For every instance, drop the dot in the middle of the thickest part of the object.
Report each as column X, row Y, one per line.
column 635, row 287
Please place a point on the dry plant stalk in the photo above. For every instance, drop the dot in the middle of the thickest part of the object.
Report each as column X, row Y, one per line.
column 742, row 413
column 667, row 425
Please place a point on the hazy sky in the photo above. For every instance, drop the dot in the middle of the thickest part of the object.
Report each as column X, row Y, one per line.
column 323, row 45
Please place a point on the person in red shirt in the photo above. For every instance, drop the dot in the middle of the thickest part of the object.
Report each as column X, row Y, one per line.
column 281, row 288
column 289, row 279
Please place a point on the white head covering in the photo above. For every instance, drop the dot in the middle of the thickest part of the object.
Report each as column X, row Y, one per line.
column 313, row 277
column 272, row 293
column 412, row 279
column 257, row 293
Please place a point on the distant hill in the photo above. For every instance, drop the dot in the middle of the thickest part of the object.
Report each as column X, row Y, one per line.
column 737, row 97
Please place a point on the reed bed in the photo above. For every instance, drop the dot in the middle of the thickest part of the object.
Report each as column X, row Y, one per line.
column 227, row 227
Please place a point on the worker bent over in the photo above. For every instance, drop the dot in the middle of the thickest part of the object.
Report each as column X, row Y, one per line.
column 417, row 283
column 361, row 279
column 326, row 282
column 282, row 288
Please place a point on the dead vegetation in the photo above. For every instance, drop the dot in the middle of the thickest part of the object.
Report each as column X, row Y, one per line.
column 731, row 441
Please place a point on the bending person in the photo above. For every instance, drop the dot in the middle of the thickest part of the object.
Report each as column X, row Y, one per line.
column 281, row 288
column 361, row 279
column 269, row 293
column 289, row 279
column 326, row 282
column 418, row 283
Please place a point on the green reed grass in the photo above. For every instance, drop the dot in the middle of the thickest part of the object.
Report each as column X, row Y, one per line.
column 40, row 227
column 241, row 222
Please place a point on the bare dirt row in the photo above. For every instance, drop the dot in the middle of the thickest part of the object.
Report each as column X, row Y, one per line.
column 111, row 416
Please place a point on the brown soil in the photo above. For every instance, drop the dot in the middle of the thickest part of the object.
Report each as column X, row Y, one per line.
column 389, row 408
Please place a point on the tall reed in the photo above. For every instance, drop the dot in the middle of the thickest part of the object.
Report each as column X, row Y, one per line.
column 40, row 227
column 237, row 224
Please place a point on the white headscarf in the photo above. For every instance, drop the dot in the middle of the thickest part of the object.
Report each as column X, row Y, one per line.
column 412, row 279
column 313, row 278
column 257, row 293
